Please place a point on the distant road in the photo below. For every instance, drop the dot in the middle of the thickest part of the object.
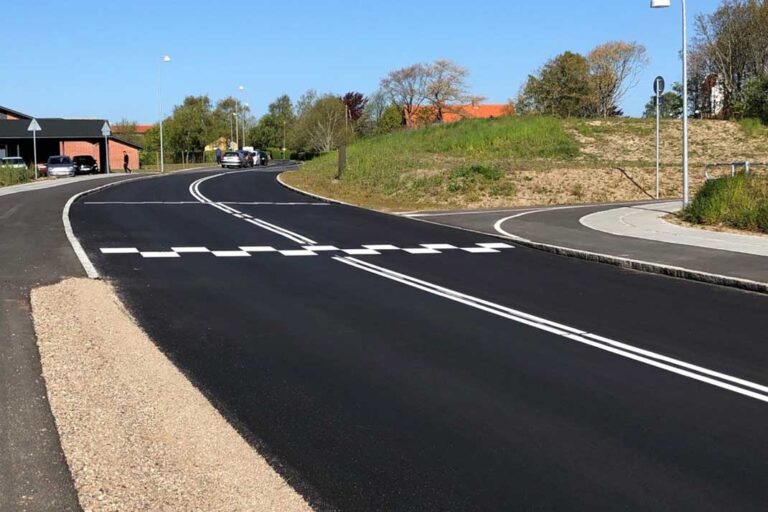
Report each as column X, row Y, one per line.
column 387, row 364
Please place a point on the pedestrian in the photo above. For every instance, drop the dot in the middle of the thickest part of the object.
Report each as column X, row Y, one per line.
column 218, row 156
column 125, row 162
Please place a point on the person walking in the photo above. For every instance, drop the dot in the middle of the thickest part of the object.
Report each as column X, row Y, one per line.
column 218, row 156
column 125, row 162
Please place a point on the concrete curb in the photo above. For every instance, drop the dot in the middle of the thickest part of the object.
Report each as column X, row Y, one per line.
column 639, row 265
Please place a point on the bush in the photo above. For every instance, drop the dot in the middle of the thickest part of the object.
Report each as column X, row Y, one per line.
column 739, row 201
column 9, row 176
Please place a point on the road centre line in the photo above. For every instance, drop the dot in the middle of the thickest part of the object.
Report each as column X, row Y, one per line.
column 244, row 203
column 660, row 361
column 194, row 190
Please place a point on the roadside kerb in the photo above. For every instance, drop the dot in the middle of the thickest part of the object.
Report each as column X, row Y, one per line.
column 639, row 265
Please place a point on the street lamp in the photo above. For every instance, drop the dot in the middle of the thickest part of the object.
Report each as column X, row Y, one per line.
column 656, row 4
column 166, row 58
column 240, row 88
column 245, row 106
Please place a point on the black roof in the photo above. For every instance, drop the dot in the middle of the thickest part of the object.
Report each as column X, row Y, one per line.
column 56, row 128
column 6, row 110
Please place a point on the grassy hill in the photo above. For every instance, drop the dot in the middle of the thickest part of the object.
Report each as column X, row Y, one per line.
column 523, row 161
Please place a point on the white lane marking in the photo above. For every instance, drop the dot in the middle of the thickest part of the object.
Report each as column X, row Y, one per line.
column 438, row 247
column 257, row 248
column 322, row 247
column 298, row 252
column 497, row 245
column 119, row 250
column 194, row 190
column 382, row 247
column 190, row 250
column 679, row 367
column 479, row 250
column 171, row 203
column 418, row 250
column 230, row 254
column 361, row 252
column 160, row 254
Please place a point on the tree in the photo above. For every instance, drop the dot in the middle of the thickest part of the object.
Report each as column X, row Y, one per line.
column 274, row 125
column 355, row 103
column 190, row 127
column 670, row 106
column 407, row 88
column 562, row 88
column 391, row 119
column 323, row 125
column 754, row 99
column 126, row 130
column 445, row 85
column 613, row 68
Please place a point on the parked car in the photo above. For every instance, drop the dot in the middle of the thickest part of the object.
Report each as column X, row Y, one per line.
column 60, row 165
column 233, row 159
column 85, row 164
column 263, row 157
column 13, row 162
column 249, row 158
column 42, row 169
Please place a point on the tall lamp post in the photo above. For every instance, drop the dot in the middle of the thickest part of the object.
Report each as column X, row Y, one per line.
column 240, row 88
column 166, row 58
column 656, row 4
column 245, row 106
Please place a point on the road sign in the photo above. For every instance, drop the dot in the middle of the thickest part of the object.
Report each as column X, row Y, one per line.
column 34, row 127
column 106, row 131
column 658, row 85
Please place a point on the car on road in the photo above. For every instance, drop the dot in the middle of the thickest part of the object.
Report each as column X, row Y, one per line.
column 13, row 162
column 263, row 157
column 85, row 164
column 233, row 159
column 61, row 165
column 250, row 158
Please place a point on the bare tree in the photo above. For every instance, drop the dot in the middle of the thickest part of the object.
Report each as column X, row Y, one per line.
column 614, row 68
column 446, row 85
column 323, row 125
column 407, row 88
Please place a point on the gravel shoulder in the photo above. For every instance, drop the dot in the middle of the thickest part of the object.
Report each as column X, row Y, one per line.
column 136, row 433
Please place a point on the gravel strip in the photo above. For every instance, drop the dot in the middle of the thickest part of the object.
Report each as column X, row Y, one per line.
column 136, row 433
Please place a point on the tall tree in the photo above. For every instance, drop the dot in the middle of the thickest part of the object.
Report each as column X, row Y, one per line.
column 614, row 67
column 322, row 126
column 274, row 126
column 562, row 87
column 670, row 106
column 407, row 88
column 446, row 85
column 355, row 103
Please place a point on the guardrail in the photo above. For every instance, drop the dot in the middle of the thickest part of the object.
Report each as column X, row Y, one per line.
column 734, row 167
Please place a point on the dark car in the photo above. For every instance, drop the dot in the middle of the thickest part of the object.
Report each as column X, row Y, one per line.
column 248, row 158
column 263, row 157
column 85, row 164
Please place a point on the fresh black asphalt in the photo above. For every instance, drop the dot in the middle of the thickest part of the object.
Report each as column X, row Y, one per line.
column 560, row 226
column 368, row 394
column 34, row 251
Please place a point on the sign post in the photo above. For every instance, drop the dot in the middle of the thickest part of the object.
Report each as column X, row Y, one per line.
column 658, row 88
column 106, row 131
column 34, row 127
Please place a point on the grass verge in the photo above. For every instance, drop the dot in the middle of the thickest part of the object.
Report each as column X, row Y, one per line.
column 739, row 202
column 10, row 176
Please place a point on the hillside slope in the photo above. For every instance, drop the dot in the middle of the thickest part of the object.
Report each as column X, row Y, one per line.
column 518, row 161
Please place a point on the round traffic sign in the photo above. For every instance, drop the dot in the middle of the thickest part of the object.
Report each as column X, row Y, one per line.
column 658, row 85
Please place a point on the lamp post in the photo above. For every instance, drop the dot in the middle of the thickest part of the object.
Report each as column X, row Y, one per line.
column 245, row 106
column 240, row 88
column 166, row 58
column 656, row 4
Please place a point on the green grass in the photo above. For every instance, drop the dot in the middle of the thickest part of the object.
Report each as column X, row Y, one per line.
column 753, row 128
column 440, row 165
column 739, row 201
column 10, row 176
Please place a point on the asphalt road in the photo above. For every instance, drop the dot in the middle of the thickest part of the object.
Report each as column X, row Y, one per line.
column 34, row 251
column 478, row 377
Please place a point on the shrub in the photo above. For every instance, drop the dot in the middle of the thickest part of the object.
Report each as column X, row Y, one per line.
column 739, row 201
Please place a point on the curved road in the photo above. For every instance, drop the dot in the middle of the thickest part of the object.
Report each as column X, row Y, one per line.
column 386, row 364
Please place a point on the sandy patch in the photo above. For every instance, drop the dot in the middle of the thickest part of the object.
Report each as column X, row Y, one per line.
column 137, row 435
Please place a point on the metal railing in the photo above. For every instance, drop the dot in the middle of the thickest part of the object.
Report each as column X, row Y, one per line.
column 734, row 167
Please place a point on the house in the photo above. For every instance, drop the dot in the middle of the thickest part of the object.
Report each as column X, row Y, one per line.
column 424, row 115
column 58, row 136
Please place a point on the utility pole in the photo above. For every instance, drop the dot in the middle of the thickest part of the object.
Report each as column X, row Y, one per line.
column 283, row 139
column 166, row 58
column 658, row 88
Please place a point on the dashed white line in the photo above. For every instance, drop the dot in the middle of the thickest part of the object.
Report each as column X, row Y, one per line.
column 160, row 254
column 119, row 250
column 190, row 250
column 421, row 250
column 258, row 248
column 382, row 247
column 298, row 252
column 478, row 250
column 440, row 247
column 231, row 254
column 322, row 248
column 361, row 252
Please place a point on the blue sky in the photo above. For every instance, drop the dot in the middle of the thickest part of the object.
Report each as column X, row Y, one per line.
column 100, row 58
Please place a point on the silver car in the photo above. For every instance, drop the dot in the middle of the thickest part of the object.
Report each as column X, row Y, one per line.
column 233, row 159
column 60, row 165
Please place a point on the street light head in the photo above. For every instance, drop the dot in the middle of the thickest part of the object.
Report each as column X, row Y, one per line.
column 241, row 87
column 657, row 4
column 166, row 58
